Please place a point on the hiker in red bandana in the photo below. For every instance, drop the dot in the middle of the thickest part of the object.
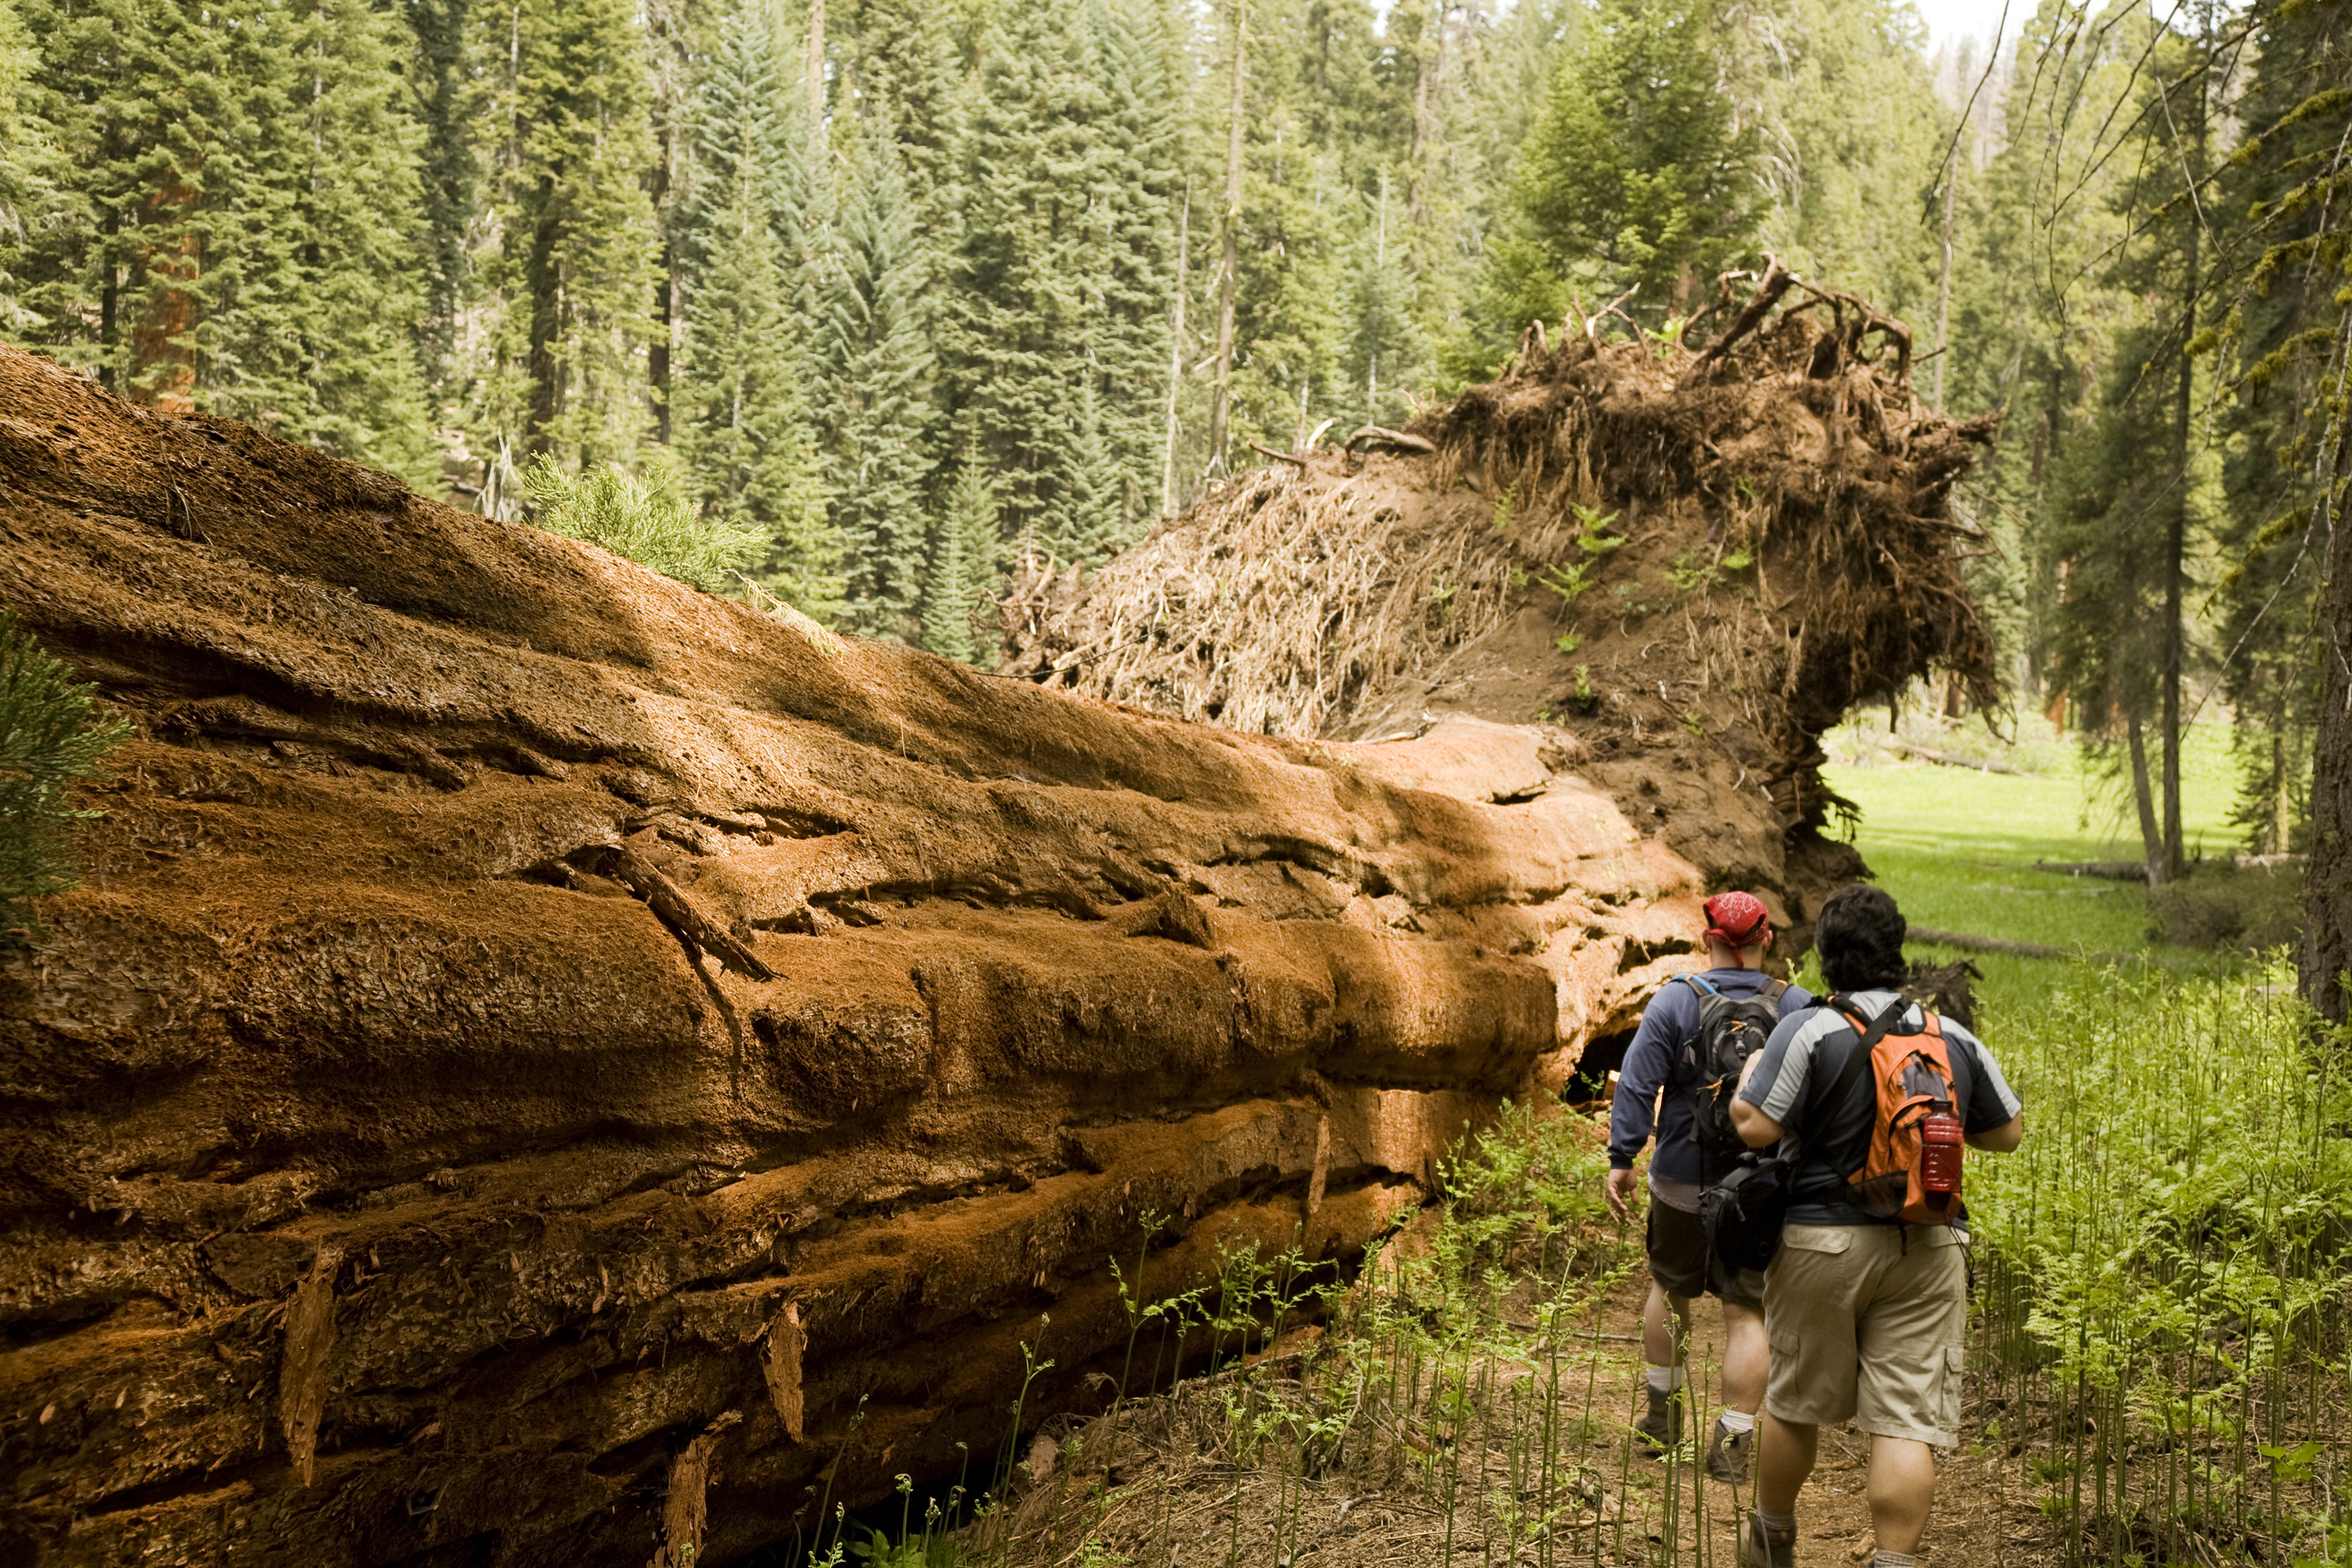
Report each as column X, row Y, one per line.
column 1731, row 1002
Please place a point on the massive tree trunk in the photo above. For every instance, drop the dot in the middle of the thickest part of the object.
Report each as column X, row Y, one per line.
column 533, row 1034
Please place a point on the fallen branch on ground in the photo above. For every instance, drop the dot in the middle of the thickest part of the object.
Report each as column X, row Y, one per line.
column 672, row 908
column 2105, row 870
column 1967, row 943
column 1928, row 755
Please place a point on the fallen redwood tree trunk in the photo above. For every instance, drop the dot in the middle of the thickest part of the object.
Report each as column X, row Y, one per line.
column 548, row 1065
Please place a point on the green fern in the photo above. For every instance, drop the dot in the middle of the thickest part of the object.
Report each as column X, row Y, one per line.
column 51, row 734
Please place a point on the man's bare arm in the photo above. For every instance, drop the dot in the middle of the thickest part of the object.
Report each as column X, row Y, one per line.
column 1755, row 1129
column 1999, row 1141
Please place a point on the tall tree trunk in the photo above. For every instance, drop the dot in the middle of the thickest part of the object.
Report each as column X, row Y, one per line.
column 1428, row 60
column 663, row 24
column 2151, row 842
column 1944, row 279
column 816, row 87
column 1176, row 352
column 665, row 300
column 2327, row 878
column 543, row 363
column 2176, row 543
column 1221, row 405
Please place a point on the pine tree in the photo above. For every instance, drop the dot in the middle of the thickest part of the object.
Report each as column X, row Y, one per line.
column 25, row 164
column 1131, row 352
column 1637, row 172
column 131, row 99
column 52, row 736
column 306, row 323
column 903, row 70
column 448, row 176
column 741, row 413
column 1030, row 254
column 879, row 402
column 570, row 274
column 961, row 574
column 2284, row 334
column 2106, row 648
column 227, row 226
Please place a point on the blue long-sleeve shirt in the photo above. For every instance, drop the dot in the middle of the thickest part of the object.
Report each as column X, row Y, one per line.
column 1655, row 1059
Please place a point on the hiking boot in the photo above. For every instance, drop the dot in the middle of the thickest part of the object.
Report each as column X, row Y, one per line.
column 1763, row 1548
column 1662, row 1428
column 1727, row 1452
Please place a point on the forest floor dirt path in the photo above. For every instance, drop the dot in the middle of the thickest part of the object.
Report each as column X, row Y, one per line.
column 1169, row 1492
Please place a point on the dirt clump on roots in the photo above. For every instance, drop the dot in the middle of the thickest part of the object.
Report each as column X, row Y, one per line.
column 1690, row 560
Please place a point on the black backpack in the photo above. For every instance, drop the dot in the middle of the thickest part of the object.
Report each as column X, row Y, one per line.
column 1730, row 1030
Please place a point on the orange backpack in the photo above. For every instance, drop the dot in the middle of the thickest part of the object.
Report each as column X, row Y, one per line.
column 1900, row 1178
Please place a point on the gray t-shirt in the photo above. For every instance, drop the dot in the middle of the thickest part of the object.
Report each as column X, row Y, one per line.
column 1812, row 1046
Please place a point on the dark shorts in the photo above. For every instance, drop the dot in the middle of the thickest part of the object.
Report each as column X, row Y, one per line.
column 1678, row 1260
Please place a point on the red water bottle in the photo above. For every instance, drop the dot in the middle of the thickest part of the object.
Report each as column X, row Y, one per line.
column 1940, row 1143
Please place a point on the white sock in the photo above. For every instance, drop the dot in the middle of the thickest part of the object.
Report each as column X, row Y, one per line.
column 1735, row 1421
column 1664, row 1379
column 1771, row 1521
column 1886, row 1559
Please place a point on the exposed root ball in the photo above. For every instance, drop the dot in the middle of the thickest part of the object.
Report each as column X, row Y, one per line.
column 1784, row 489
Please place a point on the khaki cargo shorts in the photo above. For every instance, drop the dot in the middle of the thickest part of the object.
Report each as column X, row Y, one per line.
column 1866, row 1325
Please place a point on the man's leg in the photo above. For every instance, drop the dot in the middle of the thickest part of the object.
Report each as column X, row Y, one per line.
column 1661, row 1346
column 1901, row 1489
column 1768, row 1538
column 1783, row 1460
column 1747, row 1356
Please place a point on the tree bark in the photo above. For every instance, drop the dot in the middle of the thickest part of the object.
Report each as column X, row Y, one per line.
column 815, row 87
column 2327, row 880
column 2150, row 839
column 1943, row 276
column 1176, row 352
column 2176, row 536
column 1220, row 408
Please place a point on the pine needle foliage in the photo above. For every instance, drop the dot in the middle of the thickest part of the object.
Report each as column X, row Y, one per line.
column 650, row 521
column 51, row 735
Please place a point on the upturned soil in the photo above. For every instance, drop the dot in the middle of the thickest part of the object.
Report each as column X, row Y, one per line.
column 1689, row 560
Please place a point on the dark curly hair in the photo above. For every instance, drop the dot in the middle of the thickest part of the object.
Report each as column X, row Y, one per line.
column 1859, row 934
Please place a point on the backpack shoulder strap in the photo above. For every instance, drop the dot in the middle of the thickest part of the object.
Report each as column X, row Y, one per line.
column 1859, row 1057
column 1699, row 984
column 1774, row 989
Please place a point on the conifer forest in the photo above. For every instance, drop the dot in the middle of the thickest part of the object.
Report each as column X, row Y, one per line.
column 799, row 781
column 912, row 290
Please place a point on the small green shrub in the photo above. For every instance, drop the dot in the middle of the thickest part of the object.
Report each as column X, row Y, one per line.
column 2248, row 909
column 650, row 521
column 51, row 734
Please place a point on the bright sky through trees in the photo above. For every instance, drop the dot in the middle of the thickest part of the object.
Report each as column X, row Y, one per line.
column 1950, row 21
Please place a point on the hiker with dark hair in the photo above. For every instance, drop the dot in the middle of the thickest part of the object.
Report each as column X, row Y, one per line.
column 1865, row 1302
column 1694, row 1035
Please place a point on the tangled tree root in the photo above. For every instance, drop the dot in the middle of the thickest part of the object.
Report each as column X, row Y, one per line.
column 1782, row 496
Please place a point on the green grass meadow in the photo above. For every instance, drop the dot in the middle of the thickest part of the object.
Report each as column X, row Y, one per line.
column 1958, row 849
